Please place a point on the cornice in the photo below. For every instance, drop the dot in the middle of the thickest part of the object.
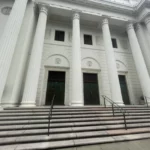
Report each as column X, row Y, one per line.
column 113, row 6
column 136, row 12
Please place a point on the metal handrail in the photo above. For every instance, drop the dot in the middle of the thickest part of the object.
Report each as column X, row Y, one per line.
column 124, row 112
column 50, row 113
column 145, row 98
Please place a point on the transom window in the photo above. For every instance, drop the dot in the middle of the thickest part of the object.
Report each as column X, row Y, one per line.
column 59, row 35
column 88, row 39
column 114, row 43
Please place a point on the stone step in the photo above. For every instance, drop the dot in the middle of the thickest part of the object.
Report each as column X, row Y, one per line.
column 31, row 126
column 73, row 107
column 67, row 136
column 38, row 131
column 58, row 119
column 66, row 116
column 79, row 114
column 43, row 121
column 74, row 142
column 73, row 110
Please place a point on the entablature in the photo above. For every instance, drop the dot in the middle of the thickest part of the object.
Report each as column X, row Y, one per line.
column 93, row 10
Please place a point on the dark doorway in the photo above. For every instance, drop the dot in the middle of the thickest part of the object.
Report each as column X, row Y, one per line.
column 124, row 89
column 55, row 85
column 91, row 91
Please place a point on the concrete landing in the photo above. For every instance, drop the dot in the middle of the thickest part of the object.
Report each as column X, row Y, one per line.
column 131, row 145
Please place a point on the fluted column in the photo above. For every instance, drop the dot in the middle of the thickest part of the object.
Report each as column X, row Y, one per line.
column 147, row 22
column 76, row 75
column 139, row 61
column 144, row 45
column 9, row 39
column 31, row 84
column 111, row 62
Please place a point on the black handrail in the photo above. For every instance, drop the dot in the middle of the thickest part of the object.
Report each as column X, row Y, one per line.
column 124, row 112
column 50, row 113
column 145, row 98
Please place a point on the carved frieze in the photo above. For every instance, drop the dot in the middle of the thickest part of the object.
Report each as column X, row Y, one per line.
column 6, row 10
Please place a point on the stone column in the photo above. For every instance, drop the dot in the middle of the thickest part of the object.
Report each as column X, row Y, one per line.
column 147, row 22
column 111, row 62
column 144, row 45
column 139, row 61
column 76, row 74
column 9, row 39
column 31, row 84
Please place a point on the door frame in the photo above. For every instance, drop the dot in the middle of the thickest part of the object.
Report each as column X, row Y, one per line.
column 45, row 80
column 98, row 72
column 128, row 85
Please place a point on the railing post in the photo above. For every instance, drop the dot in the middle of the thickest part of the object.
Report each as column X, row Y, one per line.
column 48, row 123
column 124, row 116
column 50, row 114
column 104, row 102
column 146, row 102
column 113, row 109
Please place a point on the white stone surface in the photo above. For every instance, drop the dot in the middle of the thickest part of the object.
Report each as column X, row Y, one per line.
column 147, row 22
column 139, row 61
column 29, row 95
column 144, row 45
column 13, row 88
column 93, row 55
column 76, row 73
column 9, row 39
column 112, row 69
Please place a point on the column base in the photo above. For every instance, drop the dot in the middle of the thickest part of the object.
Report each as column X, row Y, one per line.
column 120, row 103
column 1, row 108
column 10, row 105
column 77, row 104
column 27, row 105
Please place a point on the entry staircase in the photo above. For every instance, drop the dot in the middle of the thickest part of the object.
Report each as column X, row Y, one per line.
column 27, row 128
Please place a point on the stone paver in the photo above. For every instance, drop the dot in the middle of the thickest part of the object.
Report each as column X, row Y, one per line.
column 129, row 145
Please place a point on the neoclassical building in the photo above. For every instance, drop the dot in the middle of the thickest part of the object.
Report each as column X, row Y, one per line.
column 77, row 50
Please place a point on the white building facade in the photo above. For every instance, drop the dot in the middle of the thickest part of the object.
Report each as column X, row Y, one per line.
column 76, row 50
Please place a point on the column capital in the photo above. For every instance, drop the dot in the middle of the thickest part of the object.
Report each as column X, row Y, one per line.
column 43, row 8
column 76, row 15
column 138, row 26
column 147, row 20
column 130, row 26
column 105, row 21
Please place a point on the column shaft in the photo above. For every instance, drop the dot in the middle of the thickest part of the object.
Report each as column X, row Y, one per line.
column 111, row 62
column 28, row 31
column 144, row 45
column 9, row 40
column 76, row 75
column 31, row 85
column 139, row 61
column 147, row 22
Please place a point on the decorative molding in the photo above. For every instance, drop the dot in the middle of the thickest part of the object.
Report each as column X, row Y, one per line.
column 121, row 66
column 130, row 26
column 132, row 11
column 57, row 61
column 105, row 21
column 138, row 26
column 44, row 9
column 6, row 10
column 147, row 20
column 118, row 65
column 76, row 15
column 89, row 63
